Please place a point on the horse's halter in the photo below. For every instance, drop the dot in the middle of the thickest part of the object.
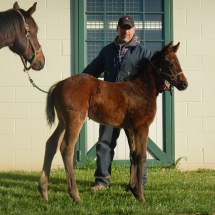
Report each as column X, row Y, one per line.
column 172, row 77
column 29, row 40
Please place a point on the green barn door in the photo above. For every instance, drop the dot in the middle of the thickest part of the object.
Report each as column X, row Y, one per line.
column 96, row 22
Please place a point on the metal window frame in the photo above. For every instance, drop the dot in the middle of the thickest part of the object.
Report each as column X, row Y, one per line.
column 165, row 157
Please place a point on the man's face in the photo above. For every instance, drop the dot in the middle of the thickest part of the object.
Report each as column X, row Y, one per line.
column 125, row 33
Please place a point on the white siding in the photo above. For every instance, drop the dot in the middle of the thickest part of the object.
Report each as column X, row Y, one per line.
column 194, row 27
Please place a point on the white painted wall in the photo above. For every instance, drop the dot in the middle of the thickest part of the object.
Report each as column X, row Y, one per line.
column 194, row 27
column 23, row 128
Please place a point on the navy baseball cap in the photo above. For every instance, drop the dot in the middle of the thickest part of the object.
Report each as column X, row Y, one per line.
column 126, row 20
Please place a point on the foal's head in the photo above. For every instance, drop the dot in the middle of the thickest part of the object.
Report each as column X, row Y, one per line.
column 168, row 67
column 26, row 43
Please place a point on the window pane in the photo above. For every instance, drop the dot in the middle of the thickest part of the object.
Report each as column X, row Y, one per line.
column 95, row 27
column 153, row 6
column 147, row 15
column 114, row 6
column 153, row 27
column 93, row 49
column 95, row 5
column 154, row 46
column 134, row 5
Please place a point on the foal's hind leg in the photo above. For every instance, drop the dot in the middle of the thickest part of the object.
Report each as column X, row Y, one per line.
column 52, row 145
column 67, row 151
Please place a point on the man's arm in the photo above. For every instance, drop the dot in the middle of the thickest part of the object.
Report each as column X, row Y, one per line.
column 96, row 67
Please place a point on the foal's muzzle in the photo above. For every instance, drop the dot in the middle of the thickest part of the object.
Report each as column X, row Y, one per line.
column 182, row 85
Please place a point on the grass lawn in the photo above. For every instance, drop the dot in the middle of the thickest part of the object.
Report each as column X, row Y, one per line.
column 168, row 191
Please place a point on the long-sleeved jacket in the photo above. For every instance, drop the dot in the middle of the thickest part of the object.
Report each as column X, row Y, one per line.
column 114, row 63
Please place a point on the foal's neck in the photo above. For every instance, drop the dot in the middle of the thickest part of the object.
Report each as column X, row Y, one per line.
column 149, row 81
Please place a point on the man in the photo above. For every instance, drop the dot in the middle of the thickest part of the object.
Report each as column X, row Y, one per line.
column 116, row 60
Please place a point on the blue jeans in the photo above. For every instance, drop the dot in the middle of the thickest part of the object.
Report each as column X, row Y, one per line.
column 105, row 153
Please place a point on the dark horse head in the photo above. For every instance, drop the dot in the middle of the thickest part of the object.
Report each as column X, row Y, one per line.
column 168, row 67
column 18, row 31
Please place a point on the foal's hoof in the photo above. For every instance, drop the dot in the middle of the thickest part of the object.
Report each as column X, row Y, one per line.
column 141, row 199
column 43, row 192
column 144, row 202
column 136, row 194
column 75, row 197
column 78, row 200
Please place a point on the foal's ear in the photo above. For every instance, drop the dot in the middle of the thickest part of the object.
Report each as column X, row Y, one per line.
column 15, row 6
column 32, row 9
column 167, row 49
column 175, row 48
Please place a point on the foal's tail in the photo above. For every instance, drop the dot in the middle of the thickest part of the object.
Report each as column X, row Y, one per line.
column 50, row 112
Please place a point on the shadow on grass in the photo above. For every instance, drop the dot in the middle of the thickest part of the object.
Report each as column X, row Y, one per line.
column 29, row 181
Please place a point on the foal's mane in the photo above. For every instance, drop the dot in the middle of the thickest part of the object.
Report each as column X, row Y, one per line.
column 140, row 68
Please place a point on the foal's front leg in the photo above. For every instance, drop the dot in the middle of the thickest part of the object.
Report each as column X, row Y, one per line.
column 138, row 162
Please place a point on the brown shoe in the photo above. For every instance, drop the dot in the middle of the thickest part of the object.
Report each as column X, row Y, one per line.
column 97, row 187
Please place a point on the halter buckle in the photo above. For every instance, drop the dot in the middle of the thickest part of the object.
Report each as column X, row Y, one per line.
column 28, row 36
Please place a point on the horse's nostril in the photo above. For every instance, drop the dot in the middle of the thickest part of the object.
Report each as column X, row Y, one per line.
column 41, row 65
column 182, row 85
column 185, row 85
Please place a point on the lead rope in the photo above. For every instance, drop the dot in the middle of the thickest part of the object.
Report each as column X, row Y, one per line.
column 32, row 82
